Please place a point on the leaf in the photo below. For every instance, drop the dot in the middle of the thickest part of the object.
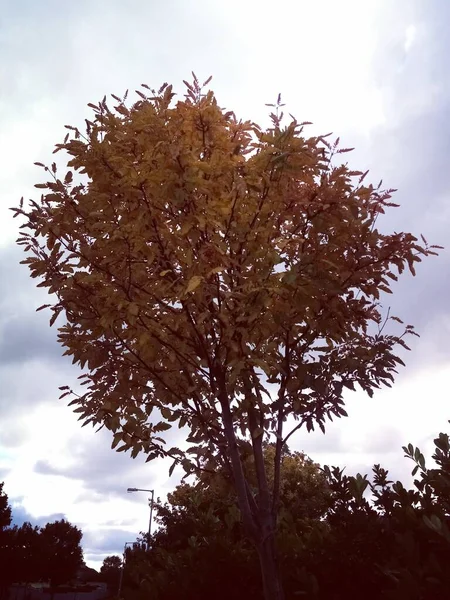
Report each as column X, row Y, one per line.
column 343, row 150
column 193, row 284
column 162, row 426
column 172, row 467
column 258, row 432
column 166, row 413
column 42, row 308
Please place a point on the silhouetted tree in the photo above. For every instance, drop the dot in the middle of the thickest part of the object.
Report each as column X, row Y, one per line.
column 60, row 551
column 110, row 571
column 5, row 521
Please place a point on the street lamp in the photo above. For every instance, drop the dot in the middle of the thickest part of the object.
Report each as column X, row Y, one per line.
column 150, row 500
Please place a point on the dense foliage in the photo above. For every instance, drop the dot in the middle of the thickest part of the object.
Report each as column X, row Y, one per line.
column 51, row 553
column 110, row 572
column 217, row 276
column 341, row 537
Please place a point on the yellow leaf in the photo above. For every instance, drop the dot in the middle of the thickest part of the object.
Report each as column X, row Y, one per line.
column 194, row 282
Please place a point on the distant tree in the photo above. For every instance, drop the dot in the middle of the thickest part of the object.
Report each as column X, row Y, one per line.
column 29, row 545
column 5, row 509
column 5, row 521
column 60, row 552
column 110, row 571
column 217, row 276
column 87, row 574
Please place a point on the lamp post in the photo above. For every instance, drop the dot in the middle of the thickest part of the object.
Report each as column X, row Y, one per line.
column 123, row 568
column 150, row 500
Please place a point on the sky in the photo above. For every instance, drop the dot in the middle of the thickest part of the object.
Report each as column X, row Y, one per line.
column 375, row 73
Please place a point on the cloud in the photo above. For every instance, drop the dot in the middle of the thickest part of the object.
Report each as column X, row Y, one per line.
column 21, row 339
column 101, row 470
column 20, row 515
column 107, row 542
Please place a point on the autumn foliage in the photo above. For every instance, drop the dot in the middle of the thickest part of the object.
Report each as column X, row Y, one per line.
column 214, row 275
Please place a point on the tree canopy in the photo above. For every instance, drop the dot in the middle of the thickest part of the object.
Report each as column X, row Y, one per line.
column 61, row 551
column 217, row 276
column 29, row 553
column 110, row 571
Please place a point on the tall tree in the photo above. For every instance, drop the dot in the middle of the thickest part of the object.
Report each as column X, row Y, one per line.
column 60, row 552
column 217, row 276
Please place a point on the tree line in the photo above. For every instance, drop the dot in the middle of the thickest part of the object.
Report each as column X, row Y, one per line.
column 29, row 554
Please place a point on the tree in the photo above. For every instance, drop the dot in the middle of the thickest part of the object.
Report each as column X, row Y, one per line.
column 5, row 509
column 60, row 552
column 217, row 276
column 24, row 554
column 110, row 571
column 392, row 542
column 5, row 521
column 200, row 550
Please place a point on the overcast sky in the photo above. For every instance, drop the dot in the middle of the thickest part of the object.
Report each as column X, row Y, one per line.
column 375, row 72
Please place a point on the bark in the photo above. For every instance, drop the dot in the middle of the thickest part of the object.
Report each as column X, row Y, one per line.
column 272, row 586
column 258, row 519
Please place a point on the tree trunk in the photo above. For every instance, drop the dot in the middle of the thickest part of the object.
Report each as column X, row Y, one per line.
column 272, row 586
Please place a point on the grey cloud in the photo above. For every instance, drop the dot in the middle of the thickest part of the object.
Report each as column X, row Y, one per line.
column 20, row 516
column 25, row 386
column 119, row 523
column 98, row 544
column 23, row 339
column 18, row 290
column 24, row 334
column 109, row 541
column 102, row 470
column 411, row 153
